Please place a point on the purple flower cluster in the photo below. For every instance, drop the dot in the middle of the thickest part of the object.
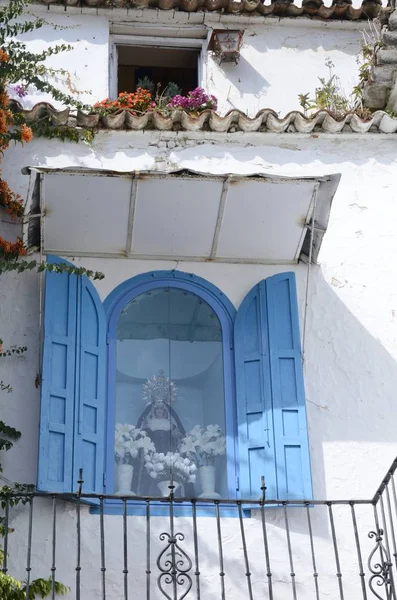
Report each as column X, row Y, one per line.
column 197, row 100
column 20, row 90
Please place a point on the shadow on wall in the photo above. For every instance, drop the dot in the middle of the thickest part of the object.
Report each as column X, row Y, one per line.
column 322, row 40
column 9, row 229
column 60, row 29
column 351, row 383
column 282, row 152
column 253, row 80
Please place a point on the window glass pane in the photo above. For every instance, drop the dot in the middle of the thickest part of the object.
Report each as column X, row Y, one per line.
column 169, row 397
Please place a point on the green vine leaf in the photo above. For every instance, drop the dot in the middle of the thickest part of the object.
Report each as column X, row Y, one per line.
column 43, row 588
column 45, row 128
column 5, row 444
column 5, row 387
column 13, row 350
column 30, row 265
column 10, row 432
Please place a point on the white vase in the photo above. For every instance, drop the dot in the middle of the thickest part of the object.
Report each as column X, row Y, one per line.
column 207, row 479
column 164, row 487
column 124, row 480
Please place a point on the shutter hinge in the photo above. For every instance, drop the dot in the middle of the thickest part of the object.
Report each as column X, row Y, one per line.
column 231, row 345
column 237, row 483
column 37, row 381
column 107, row 338
column 104, row 480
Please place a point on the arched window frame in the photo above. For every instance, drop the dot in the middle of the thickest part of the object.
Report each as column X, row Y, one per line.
column 225, row 311
column 266, row 334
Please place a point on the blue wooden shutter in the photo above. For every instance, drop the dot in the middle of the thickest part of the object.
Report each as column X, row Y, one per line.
column 72, row 420
column 90, row 389
column 289, row 406
column 254, row 405
column 271, row 411
column 58, row 382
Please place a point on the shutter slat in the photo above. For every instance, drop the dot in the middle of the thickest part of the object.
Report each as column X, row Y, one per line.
column 254, row 414
column 289, row 406
column 273, row 440
column 90, row 413
column 57, row 388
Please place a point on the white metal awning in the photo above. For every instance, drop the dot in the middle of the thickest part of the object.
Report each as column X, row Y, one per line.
column 182, row 215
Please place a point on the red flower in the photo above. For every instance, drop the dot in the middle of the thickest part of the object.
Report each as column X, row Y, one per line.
column 139, row 101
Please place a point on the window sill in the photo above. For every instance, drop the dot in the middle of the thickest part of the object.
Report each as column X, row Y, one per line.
column 160, row 509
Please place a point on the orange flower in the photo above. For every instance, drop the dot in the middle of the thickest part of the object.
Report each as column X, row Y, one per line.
column 11, row 201
column 4, row 56
column 26, row 133
column 12, row 250
column 3, row 122
column 4, row 99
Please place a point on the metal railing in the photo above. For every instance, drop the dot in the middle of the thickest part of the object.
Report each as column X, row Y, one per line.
column 340, row 549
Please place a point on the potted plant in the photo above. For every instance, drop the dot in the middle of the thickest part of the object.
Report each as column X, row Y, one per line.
column 205, row 444
column 129, row 440
column 160, row 466
column 195, row 102
column 113, row 112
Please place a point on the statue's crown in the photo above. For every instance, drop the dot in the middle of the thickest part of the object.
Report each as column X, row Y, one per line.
column 159, row 388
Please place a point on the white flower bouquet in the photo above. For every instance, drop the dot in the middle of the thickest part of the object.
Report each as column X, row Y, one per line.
column 204, row 443
column 160, row 466
column 129, row 440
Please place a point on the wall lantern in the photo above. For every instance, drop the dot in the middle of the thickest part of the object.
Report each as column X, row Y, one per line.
column 225, row 44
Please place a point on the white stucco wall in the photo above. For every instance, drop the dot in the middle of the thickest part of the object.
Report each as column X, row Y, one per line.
column 350, row 362
column 89, row 39
column 351, row 344
column 279, row 58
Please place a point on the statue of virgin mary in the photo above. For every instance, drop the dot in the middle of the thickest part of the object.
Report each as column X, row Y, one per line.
column 161, row 423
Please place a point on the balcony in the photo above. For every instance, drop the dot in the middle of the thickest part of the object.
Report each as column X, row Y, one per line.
column 337, row 549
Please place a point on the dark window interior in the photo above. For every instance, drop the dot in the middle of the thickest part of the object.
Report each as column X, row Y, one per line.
column 161, row 65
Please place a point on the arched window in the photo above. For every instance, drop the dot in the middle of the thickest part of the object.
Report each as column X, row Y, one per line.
column 171, row 398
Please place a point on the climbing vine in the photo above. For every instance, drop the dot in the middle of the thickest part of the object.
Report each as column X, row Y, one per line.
column 20, row 69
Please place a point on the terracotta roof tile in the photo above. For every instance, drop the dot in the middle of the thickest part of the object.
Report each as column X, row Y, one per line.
column 340, row 9
column 266, row 120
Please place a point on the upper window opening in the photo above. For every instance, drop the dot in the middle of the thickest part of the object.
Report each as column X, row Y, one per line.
column 161, row 66
column 170, row 385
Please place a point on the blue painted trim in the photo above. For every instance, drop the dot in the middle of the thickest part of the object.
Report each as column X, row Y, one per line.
column 128, row 286
column 225, row 311
column 158, row 510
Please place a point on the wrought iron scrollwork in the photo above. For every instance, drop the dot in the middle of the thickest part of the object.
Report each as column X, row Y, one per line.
column 174, row 564
column 380, row 568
